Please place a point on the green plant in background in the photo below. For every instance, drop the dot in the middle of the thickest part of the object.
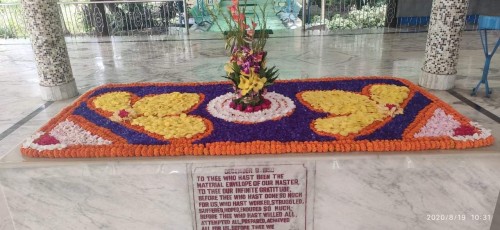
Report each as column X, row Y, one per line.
column 339, row 22
column 11, row 20
column 366, row 17
column 6, row 33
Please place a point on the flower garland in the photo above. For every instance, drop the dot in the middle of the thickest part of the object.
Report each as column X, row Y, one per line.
column 419, row 107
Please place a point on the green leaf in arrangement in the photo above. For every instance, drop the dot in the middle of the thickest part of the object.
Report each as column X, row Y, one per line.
column 236, row 67
column 237, row 79
column 230, row 78
column 272, row 71
column 245, row 36
column 262, row 72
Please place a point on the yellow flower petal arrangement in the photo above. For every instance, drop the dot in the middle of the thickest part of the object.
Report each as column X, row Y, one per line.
column 389, row 94
column 172, row 126
column 339, row 102
column 352, row 112
column 114, row 101
column 163, row 114
column 166, row 104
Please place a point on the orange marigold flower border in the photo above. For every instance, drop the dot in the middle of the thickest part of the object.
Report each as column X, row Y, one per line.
column 121, row 146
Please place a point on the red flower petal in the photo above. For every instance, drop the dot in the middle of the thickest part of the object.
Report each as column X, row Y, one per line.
column 46, row 139
column 464, row 130
column 390, row 106
column 123, row 113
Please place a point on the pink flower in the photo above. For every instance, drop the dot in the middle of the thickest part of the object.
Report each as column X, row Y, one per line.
column 123, row 113
column 232, row 9
column 46, row 139
column 232, row 105
column 464, row 130
column 251, row 32
column 249, row 109
column 258, row 57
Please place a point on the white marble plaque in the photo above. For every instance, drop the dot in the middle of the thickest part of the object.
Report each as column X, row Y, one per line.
column 247, row 197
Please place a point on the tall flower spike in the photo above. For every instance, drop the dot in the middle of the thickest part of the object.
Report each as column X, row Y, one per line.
column 232, row 9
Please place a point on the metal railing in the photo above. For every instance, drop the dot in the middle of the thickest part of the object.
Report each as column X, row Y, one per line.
column 105, row 18
column 12, row 23
column 167, row 17
column 117, row 18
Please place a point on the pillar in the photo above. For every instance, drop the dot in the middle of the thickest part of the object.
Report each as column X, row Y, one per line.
column 443, row 40
column 51, row 55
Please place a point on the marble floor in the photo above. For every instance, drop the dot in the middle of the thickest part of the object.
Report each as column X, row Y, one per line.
column 351, row 191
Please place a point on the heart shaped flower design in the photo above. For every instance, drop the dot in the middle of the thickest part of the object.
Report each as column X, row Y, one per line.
column 351, row 112
column 164, row 115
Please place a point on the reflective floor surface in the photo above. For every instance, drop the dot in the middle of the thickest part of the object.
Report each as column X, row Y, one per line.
column 352, row 191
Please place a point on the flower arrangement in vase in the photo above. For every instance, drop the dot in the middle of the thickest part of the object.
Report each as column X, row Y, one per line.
column 247, row 68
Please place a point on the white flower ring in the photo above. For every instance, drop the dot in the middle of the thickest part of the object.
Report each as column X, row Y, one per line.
column 281, row 106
